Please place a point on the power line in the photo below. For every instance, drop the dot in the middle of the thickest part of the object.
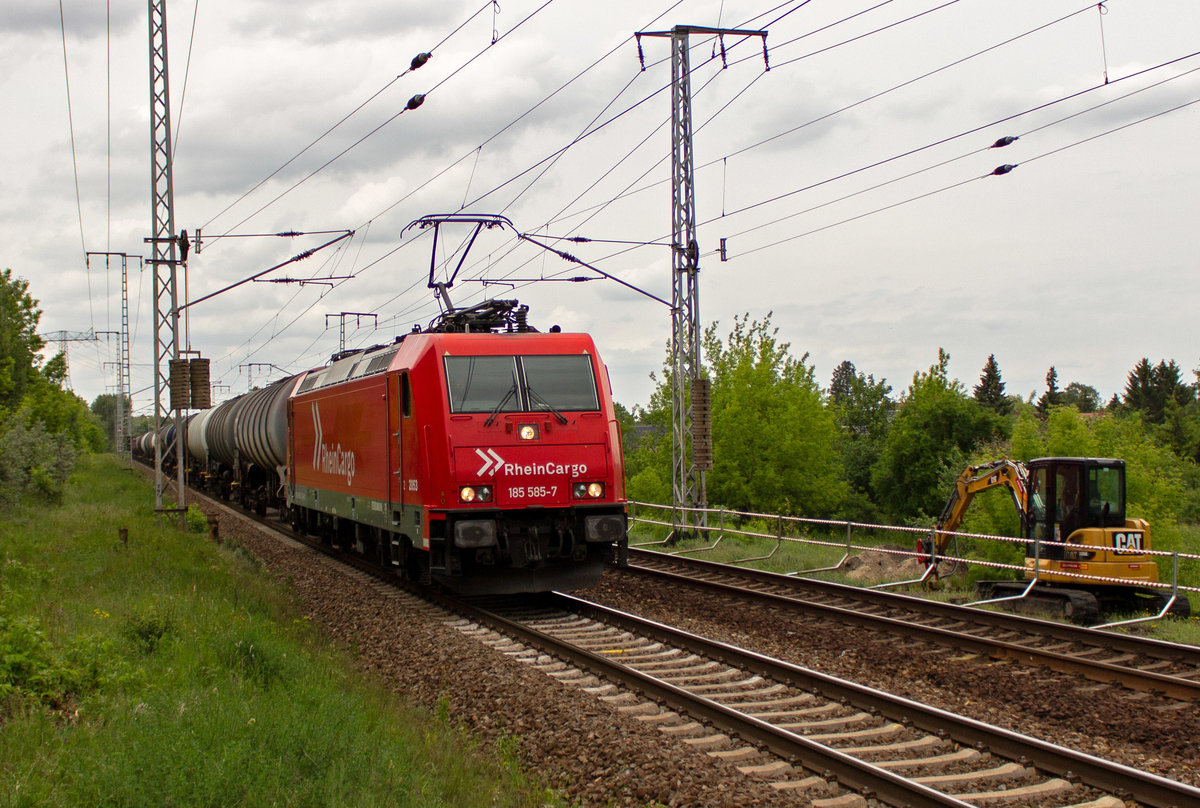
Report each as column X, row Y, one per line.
column 187, row 71
column 417, row 62
column 74, row 158
column 976, row 129
column 413, row 103
column 998, row 171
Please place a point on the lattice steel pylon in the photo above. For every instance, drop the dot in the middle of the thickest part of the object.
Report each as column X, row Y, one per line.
column 123, row 427
column 65, row 338
column 691, row 452
column 164, row 262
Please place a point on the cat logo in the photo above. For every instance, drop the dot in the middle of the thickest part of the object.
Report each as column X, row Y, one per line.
column 1128, row 541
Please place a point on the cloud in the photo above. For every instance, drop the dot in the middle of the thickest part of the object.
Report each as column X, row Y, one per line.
column 1041, row 266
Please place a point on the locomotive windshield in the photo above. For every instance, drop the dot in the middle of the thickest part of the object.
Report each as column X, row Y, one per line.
column 521, row 383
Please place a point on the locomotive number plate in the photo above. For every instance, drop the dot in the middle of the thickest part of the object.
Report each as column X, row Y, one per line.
column 532, row 491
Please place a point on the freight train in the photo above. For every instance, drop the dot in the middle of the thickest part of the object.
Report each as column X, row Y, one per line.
column 479, row 453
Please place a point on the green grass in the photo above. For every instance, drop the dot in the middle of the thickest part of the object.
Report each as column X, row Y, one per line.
column 169, row 671
column 790, row 557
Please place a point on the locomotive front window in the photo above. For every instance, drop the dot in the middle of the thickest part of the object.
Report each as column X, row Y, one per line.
column 482, row 383
column 496, row 384
column 560, row 382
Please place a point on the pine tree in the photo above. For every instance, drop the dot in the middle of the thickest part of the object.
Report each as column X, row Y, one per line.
column 1138, row 386
column 1153, row 389
column 990, row 390
column 1052, row 397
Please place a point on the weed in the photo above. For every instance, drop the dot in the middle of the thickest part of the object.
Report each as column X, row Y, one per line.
column 197, row 522
column 146, row 631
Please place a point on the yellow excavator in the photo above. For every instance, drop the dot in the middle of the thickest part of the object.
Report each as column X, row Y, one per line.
column 1072, row 512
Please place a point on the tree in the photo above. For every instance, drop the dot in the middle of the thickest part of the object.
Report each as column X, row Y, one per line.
column 1052, row 397
column 42, row 426
column 1149, row 388
column 862, row 410
column 841, row 386
column 1082, row 397
column 104, row 407
column 19, row 341
column 774, row 442
column 934, row 431
column 860, row 404
column 990, row 390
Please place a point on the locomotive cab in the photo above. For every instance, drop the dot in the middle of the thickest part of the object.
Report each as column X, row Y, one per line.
column 536, row 481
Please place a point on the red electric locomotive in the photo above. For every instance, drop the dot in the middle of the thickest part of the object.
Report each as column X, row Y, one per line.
column 482, row 455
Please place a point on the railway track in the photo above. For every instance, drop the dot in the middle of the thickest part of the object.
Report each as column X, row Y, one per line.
column 1135, row 662
column 841, row 743
column 838, row 744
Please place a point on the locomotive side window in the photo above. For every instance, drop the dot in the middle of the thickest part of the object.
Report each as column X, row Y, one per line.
column 560, row 382
column 482, row 383
column 405, row 395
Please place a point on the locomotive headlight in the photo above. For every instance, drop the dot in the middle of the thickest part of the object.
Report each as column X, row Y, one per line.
column 475, row 493
column 527, row 431
column 588, row 490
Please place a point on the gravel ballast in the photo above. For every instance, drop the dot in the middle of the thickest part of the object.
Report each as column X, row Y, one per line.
column 596, row 757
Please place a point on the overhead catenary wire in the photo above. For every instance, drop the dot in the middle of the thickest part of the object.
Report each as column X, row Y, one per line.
column 980, row 128
column 556, row 154
column 1012, row 39
column 1001, row 170
column 417, row 62
column 473, row 152
column 673, row 5
column 187, row 71
column 62, row 19
column 413, row 103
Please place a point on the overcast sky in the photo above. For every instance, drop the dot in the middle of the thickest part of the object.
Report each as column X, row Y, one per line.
column 853, row 212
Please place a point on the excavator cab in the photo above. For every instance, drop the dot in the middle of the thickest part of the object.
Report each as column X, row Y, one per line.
column 1068, row 494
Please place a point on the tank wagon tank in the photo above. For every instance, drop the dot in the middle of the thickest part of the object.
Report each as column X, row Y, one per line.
column 480, row 454
column 238, row 450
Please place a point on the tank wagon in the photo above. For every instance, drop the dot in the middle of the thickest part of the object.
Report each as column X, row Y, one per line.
column 480, row 454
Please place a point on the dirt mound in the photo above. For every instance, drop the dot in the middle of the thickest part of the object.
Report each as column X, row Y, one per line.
column 887, row 564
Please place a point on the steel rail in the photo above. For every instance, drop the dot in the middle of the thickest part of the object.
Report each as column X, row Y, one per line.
column 1112, row 777
column 858, row 775
column 869, row 780
column 1097, row 670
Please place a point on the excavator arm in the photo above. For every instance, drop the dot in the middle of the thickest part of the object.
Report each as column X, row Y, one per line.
column 973, row 480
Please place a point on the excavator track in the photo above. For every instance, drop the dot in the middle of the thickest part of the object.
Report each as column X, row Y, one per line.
column 1075, row 605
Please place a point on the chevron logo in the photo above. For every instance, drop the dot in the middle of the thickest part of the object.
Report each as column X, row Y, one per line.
column 491, row 462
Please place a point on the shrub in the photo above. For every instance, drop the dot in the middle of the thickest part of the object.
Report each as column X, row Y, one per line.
column 32, row 461
column 197, row 522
